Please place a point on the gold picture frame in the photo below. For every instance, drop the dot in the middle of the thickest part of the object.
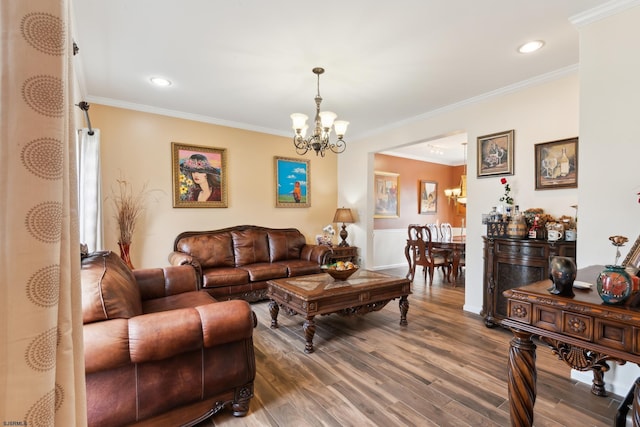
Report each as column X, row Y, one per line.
column 293, row 183
column 199, row 176
column 496, row 154
column 386, row 188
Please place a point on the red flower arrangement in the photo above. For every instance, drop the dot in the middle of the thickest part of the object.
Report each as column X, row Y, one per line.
column 507, row 190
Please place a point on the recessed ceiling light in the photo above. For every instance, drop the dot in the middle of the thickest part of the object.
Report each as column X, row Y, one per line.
column 160, row 81
column 531, row 46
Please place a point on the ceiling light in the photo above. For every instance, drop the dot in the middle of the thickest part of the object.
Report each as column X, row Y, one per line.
column 531, row 46
column 319, row 141
column 160, row 81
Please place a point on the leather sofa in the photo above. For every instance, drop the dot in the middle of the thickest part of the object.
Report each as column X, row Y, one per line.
column 237, row 262
column 157, row 350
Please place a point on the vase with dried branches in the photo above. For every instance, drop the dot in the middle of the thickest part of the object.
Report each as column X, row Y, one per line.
column 128, row 209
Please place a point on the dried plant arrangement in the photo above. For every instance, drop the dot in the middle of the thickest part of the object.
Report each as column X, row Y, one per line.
column 129, row 206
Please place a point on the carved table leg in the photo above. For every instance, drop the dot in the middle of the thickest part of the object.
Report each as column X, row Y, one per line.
column 404, row 308
column 274, row 309
column 309, row 328
column 522, row 379
column 597, row 387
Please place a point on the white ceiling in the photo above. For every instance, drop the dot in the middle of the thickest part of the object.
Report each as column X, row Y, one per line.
column 247, row 63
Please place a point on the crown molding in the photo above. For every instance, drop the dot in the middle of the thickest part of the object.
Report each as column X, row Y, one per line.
column 603, row 11
column 543, row 78
column 182, row 115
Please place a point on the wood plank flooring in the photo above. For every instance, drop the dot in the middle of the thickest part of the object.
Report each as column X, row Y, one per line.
column 444, row 369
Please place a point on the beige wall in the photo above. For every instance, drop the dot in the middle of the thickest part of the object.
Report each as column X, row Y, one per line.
column 609, row 149
column 542, row 112
column 137, row 146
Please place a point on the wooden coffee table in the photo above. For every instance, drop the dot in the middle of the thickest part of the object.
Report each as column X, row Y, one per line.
column 365, row 291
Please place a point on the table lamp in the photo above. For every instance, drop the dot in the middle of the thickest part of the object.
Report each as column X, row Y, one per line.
column 344, row 216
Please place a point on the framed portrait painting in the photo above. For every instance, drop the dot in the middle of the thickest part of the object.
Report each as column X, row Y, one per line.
column 495, row 154
column 428, row 203
column 199, row 176
column 293, row 183
column 557, row 164
column 386, row 186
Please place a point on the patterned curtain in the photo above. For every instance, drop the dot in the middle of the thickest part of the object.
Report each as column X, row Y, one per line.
column 41, row 354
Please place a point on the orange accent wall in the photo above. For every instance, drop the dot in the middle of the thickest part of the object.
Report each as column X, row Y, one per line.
column 411, row 172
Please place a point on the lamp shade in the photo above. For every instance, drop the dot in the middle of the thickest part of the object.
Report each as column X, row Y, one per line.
column 343, row 215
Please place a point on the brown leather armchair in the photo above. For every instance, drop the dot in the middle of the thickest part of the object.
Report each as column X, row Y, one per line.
column 157, row 350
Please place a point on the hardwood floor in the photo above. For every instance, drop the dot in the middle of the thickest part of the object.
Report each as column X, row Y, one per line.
column 444, row 369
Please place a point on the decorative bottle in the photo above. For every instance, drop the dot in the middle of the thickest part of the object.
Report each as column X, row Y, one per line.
column 564, row 163
column 533, row 231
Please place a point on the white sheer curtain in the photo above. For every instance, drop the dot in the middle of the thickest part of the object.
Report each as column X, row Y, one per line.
column 42, row 380
column 89, row 189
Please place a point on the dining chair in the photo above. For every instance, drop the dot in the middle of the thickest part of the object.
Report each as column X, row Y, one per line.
column 446, row 232
column 419, row 251
column 435, row 232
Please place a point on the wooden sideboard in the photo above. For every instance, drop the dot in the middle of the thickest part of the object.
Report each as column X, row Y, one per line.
column 582, row 331
column 510, row 263
column 343, row 253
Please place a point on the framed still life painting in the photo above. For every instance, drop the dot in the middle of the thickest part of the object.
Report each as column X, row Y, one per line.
column 557, row 164
column 495, row 154
column 293, row 183
column 199, row 176
column 386, row 195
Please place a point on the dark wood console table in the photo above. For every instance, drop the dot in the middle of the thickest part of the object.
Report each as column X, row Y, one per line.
column 582, row 331
column 511, row 263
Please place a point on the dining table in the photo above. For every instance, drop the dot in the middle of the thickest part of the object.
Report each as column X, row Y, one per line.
column 457, row 246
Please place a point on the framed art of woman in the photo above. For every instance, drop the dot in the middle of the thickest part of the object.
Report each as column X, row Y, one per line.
column 199, row 176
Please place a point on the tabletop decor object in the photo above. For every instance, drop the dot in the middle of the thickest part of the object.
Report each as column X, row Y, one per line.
column 614, row 283
column 562, row 272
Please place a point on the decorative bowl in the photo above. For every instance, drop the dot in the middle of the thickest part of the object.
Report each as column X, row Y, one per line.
column 340, row 274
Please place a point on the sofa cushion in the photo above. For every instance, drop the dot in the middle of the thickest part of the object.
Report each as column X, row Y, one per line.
column 300, row 267
column 250, row 246
column 178, row 301
column 224, row 276
column 211, row 249
column 265, row 271
column 109, row 290
column 285, row 244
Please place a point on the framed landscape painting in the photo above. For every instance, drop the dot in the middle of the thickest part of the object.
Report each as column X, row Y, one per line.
column 495, row 154
column 556, row 164
column 293, row 183
column 386, row 194
column 199, row 176
column 428, row 203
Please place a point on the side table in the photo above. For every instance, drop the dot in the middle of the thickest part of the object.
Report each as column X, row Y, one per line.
column 343, row 253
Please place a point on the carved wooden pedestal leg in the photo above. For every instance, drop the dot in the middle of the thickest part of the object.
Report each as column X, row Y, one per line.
column 522, row 379
column 274, row 309
column 309, row 328
column 404, row 308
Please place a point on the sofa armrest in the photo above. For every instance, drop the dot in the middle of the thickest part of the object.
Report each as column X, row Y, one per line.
column 118, row 342
column 180, row 258
column 162, row 282
column 317, row 253
column 157, row 336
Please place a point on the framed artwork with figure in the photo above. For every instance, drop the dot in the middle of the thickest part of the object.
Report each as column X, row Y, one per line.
column 495, row 154
column 385, row 189
column 557, row 164
column 199, row 176
column 428, row 203
column 293, row 182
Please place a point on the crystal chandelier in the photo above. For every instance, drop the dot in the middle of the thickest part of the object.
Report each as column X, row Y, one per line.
column 319, row 141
